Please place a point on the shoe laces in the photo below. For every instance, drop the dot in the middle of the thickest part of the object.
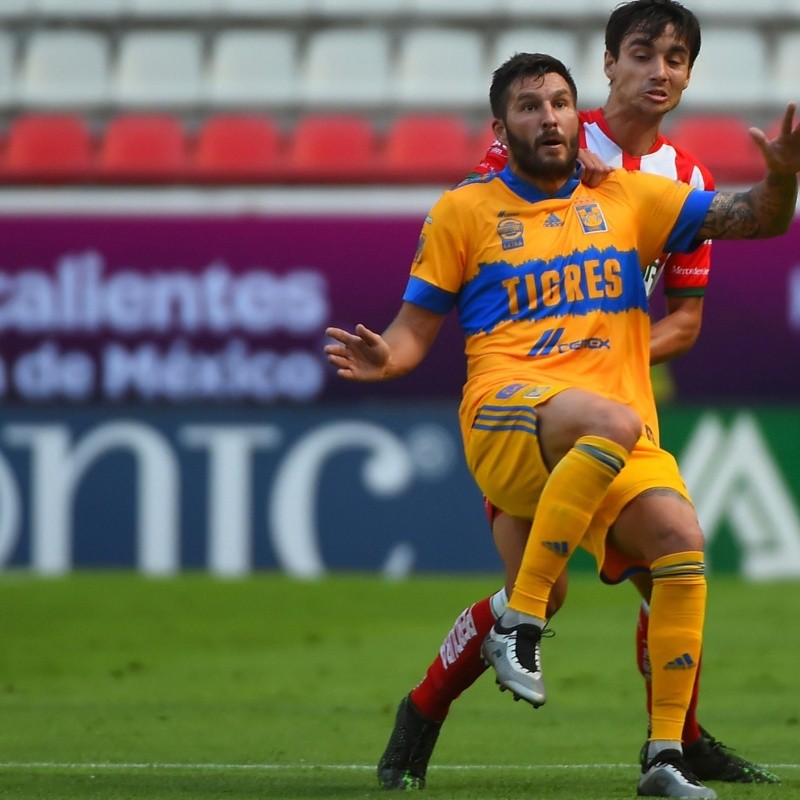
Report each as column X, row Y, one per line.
column 714, row 743
column 758, row 773
column 527, row 645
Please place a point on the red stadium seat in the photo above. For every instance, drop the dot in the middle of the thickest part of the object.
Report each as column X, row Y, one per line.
column 144, row 147
column 431, row 148
column 47, row 147
column 239, row 147
column 723, row 144
column 333, row 147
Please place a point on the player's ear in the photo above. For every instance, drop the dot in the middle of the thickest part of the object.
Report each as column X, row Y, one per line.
column 609, row 65
column 688, row 79
column 499, row 130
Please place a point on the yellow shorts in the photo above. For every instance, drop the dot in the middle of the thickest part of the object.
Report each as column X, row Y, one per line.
column 649, row 467
column 502, row 449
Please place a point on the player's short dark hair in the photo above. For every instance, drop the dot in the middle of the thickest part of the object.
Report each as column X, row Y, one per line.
column 651, row 17
column 524, row 65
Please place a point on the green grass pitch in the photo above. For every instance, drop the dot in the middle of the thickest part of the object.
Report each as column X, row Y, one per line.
column 117, row 686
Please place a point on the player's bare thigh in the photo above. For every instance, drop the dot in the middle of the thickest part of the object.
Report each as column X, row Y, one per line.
column 657, row 523
column 572, row 413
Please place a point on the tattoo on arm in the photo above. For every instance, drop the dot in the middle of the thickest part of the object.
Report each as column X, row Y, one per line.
column 730, row 216
column 765, row 210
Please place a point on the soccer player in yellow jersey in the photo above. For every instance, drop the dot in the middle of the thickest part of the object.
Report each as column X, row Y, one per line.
column 651, row 46
column 558, row 417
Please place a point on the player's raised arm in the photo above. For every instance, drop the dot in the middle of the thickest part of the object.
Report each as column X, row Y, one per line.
column 766, row 209
column 368, row 356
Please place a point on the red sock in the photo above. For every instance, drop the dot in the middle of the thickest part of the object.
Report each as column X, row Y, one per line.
column 458, row 664
column 642, row 653
column 691, row 727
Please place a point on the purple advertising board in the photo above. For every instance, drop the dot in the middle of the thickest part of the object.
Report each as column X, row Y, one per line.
column 220, row 309
column 749, row 346
column 200, row 309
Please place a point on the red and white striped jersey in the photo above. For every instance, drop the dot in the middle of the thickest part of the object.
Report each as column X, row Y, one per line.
column 685, row 274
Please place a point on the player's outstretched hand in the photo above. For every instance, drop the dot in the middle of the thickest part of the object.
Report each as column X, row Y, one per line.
column 782, row 154
column 359, row 356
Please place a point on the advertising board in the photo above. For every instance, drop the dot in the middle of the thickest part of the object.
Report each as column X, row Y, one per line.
column 232, row 309
column 379, row 488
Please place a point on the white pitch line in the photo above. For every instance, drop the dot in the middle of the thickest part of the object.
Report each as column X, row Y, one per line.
column 277, row 767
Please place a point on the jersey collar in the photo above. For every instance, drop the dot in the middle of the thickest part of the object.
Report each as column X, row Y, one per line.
column 527, row 191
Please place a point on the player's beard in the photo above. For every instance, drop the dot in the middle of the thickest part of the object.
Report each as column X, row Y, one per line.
column 528, row 161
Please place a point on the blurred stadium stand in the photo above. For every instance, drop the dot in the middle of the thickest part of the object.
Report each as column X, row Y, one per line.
column 418, row 144
column 333, row 147
column 739, row 160
column 253, row 68
column 57, row 144
column 255, row 76
column 150, row 147
column 235, row 147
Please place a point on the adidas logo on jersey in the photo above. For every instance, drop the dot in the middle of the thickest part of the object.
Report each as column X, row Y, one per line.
column 681, row 662
column 559, row 548
column 553, row 222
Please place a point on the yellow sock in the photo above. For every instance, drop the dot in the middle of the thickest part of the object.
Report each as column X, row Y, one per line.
column 572, row 494
column 675, row 638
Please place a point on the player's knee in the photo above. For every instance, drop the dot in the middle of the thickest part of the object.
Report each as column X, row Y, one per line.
column 679, row 539
column 620, row 424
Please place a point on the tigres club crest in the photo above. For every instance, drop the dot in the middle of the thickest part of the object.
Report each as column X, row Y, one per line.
column 591, row 218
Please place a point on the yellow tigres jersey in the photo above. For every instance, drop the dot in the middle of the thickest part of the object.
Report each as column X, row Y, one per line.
column 549, row 289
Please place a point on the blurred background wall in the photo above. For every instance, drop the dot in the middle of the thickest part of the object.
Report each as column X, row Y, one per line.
column 192, row 190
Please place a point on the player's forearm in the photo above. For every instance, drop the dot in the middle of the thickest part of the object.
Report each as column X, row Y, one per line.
column 406, row 350
column 672, row 342
column 409, row 337
column 676, row 333
column 765, row 210
column 774, row 201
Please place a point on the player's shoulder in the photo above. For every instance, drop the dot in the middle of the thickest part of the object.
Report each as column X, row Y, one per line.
column 476, row 178
column 681, row 150
column 472, row 189
column 637, row 187
column 688, row 164
column 471, row 192
column 637, row 177
column 587, row 116
column 622, row 179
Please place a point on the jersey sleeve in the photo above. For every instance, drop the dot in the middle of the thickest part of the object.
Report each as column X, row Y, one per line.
column 670, row 214
column 437, row 271
column 686, row 274
column 683, row 238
